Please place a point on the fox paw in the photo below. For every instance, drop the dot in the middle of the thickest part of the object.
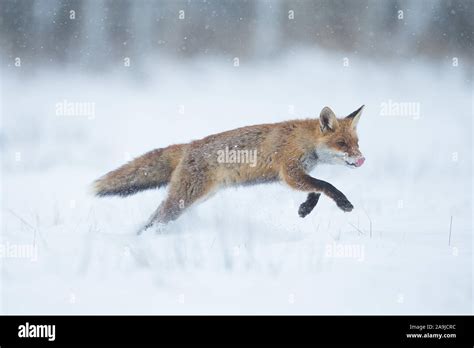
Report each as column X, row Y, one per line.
column 308, row 206
column 344, row 204
column 304, row 209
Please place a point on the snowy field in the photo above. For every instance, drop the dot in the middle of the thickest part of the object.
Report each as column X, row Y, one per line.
column 245, row 250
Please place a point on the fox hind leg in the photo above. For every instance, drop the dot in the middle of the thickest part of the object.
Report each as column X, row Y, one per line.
column 183, row 192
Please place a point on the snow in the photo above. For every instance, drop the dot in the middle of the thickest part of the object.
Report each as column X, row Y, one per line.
column 245, row 250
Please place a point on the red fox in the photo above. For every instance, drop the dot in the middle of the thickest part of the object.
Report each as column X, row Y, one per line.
column 284, row 151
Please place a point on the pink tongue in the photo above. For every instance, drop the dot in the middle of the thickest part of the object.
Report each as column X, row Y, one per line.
column 360, row 162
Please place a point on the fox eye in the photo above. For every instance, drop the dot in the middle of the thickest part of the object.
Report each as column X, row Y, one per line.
column 341, row 143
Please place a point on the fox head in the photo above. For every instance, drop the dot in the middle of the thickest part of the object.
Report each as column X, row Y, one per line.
column 339, row 143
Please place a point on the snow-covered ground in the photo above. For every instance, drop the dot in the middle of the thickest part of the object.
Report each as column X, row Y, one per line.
column 245, row 250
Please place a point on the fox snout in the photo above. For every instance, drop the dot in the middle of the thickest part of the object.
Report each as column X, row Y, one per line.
column 355, row 161
column 356, row 157
column 360, row 161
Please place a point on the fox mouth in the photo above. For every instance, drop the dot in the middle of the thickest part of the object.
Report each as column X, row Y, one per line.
column 351, row 164
column 357, row 163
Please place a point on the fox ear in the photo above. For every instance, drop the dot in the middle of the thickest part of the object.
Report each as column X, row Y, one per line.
column 327, row 119
column 355, row 116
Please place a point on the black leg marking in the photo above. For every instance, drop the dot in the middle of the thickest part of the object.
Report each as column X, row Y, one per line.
column 307, row 206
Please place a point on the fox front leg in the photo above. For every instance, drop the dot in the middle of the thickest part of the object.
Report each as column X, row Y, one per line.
column 307, row 206
column 296, row 177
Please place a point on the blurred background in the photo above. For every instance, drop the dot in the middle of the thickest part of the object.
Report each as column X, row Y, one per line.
column 88, row 85
column 99, row 34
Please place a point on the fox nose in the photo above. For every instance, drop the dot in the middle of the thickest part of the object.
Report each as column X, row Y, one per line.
column 360, row 161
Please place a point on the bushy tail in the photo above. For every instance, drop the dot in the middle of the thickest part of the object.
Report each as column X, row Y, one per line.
column 151, row 170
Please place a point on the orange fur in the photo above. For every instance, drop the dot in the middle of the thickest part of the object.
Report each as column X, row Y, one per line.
column 285, row 151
